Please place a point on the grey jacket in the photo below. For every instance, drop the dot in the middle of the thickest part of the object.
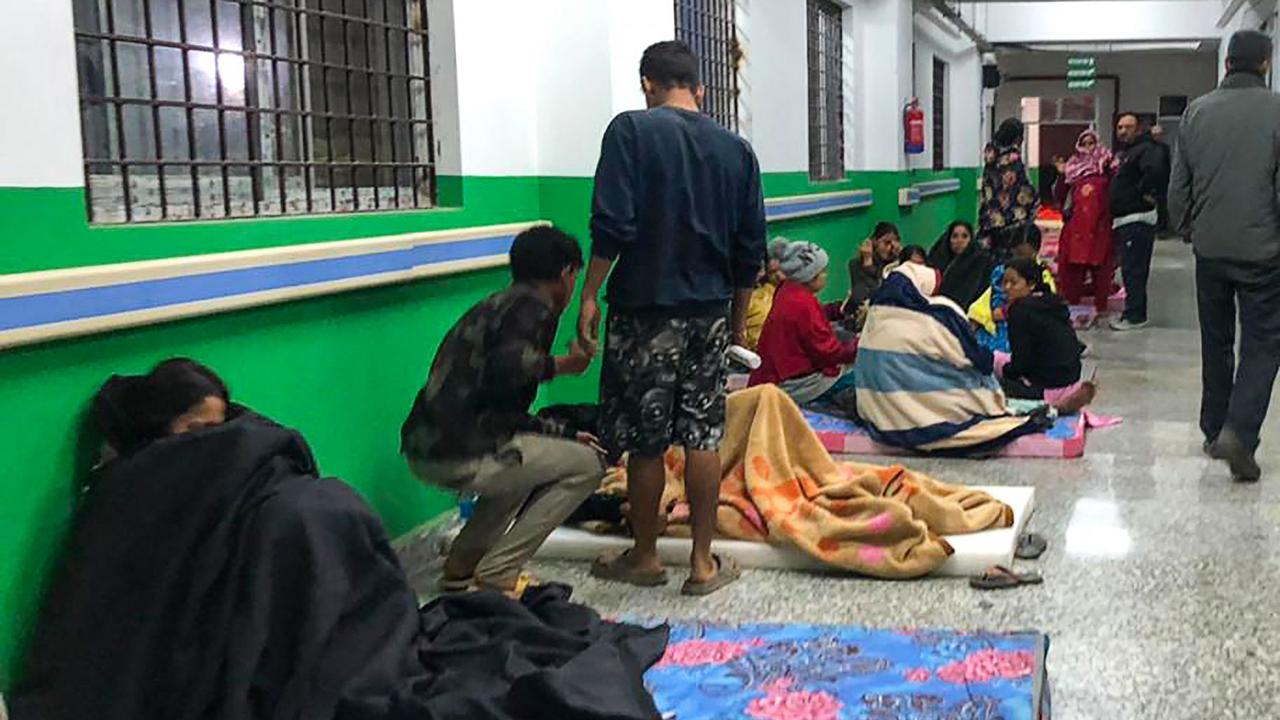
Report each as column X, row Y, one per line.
column 1225, row 187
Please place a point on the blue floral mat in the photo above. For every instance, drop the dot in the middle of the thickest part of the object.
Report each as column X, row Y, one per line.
column 823, row 672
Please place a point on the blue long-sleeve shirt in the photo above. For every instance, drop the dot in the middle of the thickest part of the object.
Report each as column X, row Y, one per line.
column 678, row 204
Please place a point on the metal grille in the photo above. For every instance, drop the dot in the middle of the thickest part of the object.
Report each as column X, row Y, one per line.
column 708, row 28
column 826, row 91
column 196, row 109
column 939, row 114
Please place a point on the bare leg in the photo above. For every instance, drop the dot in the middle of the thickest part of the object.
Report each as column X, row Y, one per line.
column 646, row 479
column 702, row 485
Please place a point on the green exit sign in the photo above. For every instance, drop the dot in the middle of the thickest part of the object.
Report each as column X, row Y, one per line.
column 1082, row 62
column 1081, row 84
column 1081, row 73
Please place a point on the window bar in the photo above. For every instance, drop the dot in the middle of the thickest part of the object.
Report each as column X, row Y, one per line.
column 408, row 87
column 155, row 109
column 373, row 127
column 222, row 115
column 386, row 41
column 119, row 112
column 306, row 122
column 351, row 123
column 427, row 114
column 191, row 125
column 328, row 122
column 275, row 104
column 252, row 140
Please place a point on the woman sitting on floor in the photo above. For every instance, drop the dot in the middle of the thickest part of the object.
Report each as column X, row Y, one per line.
column 799, row 351
column 988, row 313
column 965, row 265
column 211, row 573
column 1045, row 359
column 762, row 296
column 924, row 382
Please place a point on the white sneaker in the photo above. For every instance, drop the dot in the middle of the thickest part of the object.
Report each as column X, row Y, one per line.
column 1121, row 325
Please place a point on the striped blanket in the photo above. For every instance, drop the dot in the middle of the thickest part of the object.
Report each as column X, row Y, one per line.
column 923, row 381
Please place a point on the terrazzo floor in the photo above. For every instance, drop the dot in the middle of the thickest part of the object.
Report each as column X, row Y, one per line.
column 1161, row 583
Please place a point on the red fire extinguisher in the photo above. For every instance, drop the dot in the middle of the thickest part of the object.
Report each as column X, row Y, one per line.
column 913, row 127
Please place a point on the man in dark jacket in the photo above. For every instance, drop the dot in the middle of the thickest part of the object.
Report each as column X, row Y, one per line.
column 1135, row 193
column 1226, row 193
column 678, row 206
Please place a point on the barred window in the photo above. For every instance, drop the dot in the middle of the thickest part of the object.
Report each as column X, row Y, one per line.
column 826, row 91
column 708, row 28
column 200, row 109
column 939, row 114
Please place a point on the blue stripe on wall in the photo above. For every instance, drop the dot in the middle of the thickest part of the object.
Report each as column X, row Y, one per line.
column 65, row 305
column 836, row 203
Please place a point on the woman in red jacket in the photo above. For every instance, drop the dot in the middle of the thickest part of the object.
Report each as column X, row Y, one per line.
column 798, row 350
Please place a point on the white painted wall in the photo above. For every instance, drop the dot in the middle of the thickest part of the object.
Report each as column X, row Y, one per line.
column 883, row 46
column 1094, row 20
column 963, row 112
column 776, row 71
column 40, row 115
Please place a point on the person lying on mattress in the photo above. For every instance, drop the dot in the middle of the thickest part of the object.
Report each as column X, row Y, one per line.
column 1045, row 358
column 470, row 431
column 923, row 381
column 988, row 313
column 210, row 572
column 799, row 351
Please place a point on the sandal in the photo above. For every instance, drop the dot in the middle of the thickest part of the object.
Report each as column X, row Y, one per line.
column 998, row 577
column 727, row 571
column 451, row 586
column 1030, row 546
column 617, row 567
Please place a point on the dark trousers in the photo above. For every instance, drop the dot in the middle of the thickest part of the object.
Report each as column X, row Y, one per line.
column 1237, row 397
column 1134, row 244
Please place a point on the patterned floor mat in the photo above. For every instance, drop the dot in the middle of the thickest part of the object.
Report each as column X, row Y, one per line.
column 823, row 672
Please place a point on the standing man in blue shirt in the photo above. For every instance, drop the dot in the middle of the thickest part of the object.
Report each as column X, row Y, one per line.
column 678, row 216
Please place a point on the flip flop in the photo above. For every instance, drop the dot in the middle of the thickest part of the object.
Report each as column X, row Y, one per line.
column 1030, row 546
column 616, row 567
column 450, row 586
column 727, row 571
column 998, row 577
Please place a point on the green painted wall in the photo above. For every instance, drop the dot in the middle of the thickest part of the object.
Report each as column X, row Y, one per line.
column 342, row 368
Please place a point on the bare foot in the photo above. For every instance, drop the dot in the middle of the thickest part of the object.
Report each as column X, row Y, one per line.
column 1079, row 399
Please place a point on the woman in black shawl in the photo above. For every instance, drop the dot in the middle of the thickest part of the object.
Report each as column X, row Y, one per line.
column 965, row 265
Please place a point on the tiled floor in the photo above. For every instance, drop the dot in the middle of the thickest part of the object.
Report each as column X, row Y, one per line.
column 1161, row 577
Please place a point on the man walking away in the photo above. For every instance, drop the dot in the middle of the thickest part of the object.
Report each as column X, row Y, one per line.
column 1135, row 192
column 1226, row 177
column 678, row 205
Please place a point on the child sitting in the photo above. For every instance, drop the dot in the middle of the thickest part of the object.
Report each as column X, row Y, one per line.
column 988, row 312
column 470, row 430
column 798, row 349
column 1045, row 357
column 762, row 296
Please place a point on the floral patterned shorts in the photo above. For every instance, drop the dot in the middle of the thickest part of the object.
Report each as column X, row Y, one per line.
column 663, row 383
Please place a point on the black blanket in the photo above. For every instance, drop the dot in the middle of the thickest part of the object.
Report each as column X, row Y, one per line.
column 214, row 576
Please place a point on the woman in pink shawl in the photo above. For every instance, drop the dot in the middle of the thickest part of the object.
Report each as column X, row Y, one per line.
column 1084, row 247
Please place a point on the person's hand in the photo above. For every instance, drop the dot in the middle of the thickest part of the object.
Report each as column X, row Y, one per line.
column 864, row 253
column 592, row 442
column 998, row 314
column 576, row 362
column 589, row 324
column 1150, row 199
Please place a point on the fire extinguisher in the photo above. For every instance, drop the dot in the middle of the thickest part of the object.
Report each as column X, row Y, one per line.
column 913, row 127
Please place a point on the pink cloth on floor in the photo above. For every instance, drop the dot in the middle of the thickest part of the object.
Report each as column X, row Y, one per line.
column 1095, row 420
column 1054, row 396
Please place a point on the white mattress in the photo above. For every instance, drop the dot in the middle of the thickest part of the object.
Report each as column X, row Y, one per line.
column 974, row 553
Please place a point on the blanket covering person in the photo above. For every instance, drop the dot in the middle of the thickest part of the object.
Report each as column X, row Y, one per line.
column 214, row 575
column 924, row 382
column 782, row 486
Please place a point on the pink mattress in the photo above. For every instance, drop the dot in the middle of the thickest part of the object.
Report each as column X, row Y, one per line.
column 1064, row 440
